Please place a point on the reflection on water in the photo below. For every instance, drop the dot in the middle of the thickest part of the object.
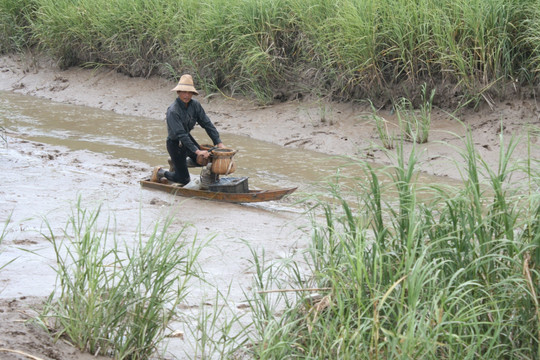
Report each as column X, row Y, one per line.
column 143, row 139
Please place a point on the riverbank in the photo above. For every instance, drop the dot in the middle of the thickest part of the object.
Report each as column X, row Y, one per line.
column 42, row 181
column 332, row 128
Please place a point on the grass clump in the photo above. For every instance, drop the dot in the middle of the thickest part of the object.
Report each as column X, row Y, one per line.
column 415, row 124
column 276, row 50
column 454, row 275
column 15, row 18
column 113, row 300
column 386, row 136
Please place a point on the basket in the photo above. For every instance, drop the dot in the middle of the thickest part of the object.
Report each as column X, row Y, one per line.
column 201, row 160
column 222, row 161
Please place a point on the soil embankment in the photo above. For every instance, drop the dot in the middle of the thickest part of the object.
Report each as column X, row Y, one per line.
column 43, row 181
column 333, row 128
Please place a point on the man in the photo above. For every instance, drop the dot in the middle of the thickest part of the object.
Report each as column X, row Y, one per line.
column 182, row 115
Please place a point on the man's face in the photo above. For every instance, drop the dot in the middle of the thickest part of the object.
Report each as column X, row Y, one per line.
column 185, row 96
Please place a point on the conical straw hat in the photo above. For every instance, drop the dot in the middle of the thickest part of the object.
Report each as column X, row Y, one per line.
column 186, row 84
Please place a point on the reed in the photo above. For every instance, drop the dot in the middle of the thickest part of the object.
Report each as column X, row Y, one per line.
column 454, row 275
column 381, row 124
column 415, row 123
column 15, row 17
column 3, row 235
column 116, row 299
column 266, row 48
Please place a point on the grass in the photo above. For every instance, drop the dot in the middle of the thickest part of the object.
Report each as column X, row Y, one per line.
column 116, row 299
column 452, row 276
column 262, row 48
column 415, row 123
column 3, row 235
column 218, row 328
column 15, row 17
column 386, row 136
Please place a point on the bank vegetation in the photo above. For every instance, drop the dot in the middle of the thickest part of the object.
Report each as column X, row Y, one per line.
column 471, row 51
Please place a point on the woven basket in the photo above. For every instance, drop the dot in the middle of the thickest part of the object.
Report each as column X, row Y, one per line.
column 202, row 161
column 222, row 161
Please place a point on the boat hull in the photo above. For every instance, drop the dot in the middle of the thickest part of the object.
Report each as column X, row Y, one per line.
column 247, row 197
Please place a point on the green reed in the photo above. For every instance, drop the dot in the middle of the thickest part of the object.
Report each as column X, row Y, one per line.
column 14, row 24
column 116, row 299
column 267, row 48
column 386, row 136
column 3, row 235
column 454, row 275
column 414, row 123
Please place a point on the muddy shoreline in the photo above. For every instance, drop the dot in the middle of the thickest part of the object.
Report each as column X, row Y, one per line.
column 43, row 182
column 332, row 128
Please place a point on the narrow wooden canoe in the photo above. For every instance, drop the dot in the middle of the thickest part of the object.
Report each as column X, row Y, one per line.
column 251, row 196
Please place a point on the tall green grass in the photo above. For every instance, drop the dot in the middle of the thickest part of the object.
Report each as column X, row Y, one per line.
column 131, row 36
column 276, row 49
column 452, row 276
column 15, row 17
column 114, row 298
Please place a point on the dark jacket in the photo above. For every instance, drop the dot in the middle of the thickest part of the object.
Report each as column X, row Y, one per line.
column 181, row 119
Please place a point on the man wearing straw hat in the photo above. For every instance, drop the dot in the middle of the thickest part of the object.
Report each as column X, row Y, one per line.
column 182, row 115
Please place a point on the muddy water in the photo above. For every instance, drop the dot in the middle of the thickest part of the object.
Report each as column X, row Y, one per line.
column 143, row 139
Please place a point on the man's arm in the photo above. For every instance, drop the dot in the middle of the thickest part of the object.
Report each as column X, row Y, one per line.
column 206, row 124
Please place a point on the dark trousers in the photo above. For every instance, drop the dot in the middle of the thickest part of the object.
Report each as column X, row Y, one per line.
column 178, row 154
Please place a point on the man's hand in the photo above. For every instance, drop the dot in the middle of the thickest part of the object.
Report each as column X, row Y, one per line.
column 202, row 157
column 205, row 154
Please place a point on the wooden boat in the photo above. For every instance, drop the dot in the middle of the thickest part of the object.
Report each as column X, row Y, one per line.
column 243, row 197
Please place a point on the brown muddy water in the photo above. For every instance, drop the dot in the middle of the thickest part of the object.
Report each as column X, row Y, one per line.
column 143, row 139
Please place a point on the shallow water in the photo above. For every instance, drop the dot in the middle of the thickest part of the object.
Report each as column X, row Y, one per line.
column 143, row 139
